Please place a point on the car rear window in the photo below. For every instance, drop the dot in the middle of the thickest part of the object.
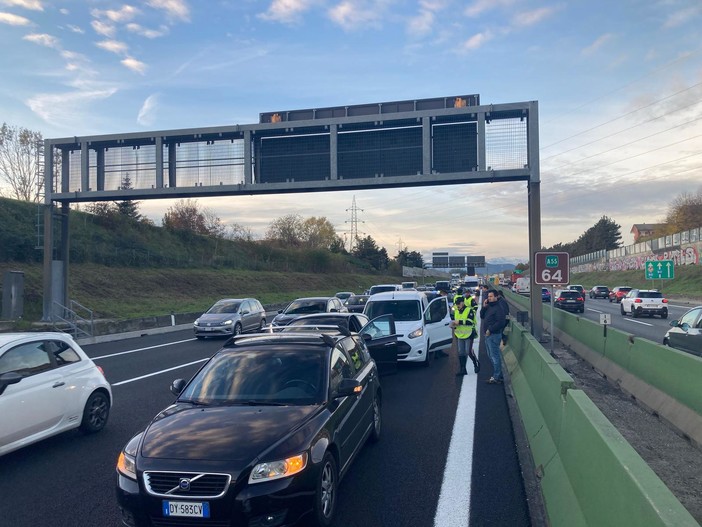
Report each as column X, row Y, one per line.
column 570, row 294
column 650, row 294
column 602, row 288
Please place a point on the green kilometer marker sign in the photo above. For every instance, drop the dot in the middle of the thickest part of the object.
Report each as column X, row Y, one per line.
column 660, row 270
column 552, row 260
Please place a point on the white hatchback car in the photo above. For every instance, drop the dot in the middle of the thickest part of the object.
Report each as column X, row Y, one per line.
column 48, row 385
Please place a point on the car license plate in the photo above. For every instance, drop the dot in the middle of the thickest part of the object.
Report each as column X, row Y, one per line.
column 650, row 306
column 191, row 509
column 209, row 329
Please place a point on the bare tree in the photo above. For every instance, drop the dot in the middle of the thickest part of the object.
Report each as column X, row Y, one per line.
column 287, row 230
column 185, row 215
column 213, row 225
column 238, row 232
column 20, row 149
column 684, row 212
column 318, row 233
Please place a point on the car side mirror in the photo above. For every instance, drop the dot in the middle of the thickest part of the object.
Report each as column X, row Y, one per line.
column 333, row 310
column 674, row 323
column 11, row 377
column 348, row 387
column 177, row 386
column 280, row 311
column 367, row 337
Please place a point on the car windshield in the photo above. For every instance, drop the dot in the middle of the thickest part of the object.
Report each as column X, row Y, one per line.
column 382, row 288
column 402, row 310
column 324, row 320
column 570, row 294
column 273, row 375
column 624, row 289
column 224, row 307
column 301, row 307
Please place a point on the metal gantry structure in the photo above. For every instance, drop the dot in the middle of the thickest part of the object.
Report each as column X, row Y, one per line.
column 410, row 143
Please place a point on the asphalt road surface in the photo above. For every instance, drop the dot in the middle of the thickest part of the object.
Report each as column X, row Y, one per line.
column 439, row 463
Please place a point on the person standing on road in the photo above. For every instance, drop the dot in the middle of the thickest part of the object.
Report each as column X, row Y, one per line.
column 463, row 325
column 493, row 320
column 502, row 302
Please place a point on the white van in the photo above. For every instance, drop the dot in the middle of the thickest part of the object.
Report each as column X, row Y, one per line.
column 422, row 326
column 381, row 288
column 523, row 285
column 409, row 286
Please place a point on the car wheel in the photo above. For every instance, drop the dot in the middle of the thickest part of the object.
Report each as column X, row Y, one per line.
column 666, row 342
column 260, row 326
column 95, row 413
column 199, row 337
column 634, row 312
column 582, row 310
column 610, row 300
column 325, row 500
column 377, row 420
column 621, row 310
column 237, row 330
column 664, row 315
column 428, row 357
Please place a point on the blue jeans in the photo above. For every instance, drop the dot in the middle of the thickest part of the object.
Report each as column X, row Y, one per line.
column 492, row 345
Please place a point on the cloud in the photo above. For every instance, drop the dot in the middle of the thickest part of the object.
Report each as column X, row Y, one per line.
column 64, row 11
column 680, row 17
column 477, row 41
column 479, row 7
column 596, row 45
column 148, row 33
column 103, row 28
column 43, row 40
column 75, row 29
column 286, row 11
column 113, row 46
column 134, row 65
column 174, row 8
column 14, row 20
column 66, row 108
column 529, row 18
column 421, row 24
column 34, row 5
column 147, row 113
column 354, row 14
column 123, row 15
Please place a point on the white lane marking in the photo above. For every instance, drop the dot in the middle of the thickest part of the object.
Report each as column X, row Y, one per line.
column 637, row 322
column 595, row 310
column 453, row 509
column 681, row 307
column 141, row 349
column 158, row 372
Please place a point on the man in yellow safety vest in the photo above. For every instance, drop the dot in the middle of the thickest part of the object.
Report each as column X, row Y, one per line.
column 463, row 324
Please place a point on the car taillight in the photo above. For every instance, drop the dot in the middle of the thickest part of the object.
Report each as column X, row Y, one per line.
column 638, row 301
column 665, row 300
column 581, row 299
column 560, row 299
column 100, row 370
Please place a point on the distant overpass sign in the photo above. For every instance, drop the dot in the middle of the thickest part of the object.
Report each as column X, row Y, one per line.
column 660, row 270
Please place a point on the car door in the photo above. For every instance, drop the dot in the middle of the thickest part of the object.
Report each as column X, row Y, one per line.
column 687, row 335
column 36, row 405
column 365, row 373
column 344, row 409
column 437, row 322
column 247, row 316
column 381, row 340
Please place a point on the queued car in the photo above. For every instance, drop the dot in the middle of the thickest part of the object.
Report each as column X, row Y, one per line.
column 570, row 300
column 356, row 303
column 580, row 289
column 48, row 385
column 230, row 316
column 599, row 291
column 343, row 295
column 306, row 306
column 379, row 334
column 686, row 334
column 619, row 292
column 422, row 326
column 382, row 288
column 639, row 302
column 545, row 294
column 260, row 436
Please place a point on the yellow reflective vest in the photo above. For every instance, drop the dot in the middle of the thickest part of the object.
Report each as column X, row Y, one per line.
column 466, row 322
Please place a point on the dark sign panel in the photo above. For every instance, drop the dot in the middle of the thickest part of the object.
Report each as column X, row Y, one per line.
column 457, row 261
column 293, row 158
column 475, row 261
column 384, row 152
column 440, row 262
column 455, row 147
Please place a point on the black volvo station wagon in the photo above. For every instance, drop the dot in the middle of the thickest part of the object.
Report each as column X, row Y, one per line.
column 259, row 437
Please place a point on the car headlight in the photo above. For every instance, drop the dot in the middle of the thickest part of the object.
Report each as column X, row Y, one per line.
column 416, row 333
column 126, row 462
column 197, row 322
column 278, row 469
column 227, row 323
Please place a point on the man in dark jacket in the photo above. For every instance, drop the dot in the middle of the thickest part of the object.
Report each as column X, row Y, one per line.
column 492, row 316
column 505, row 308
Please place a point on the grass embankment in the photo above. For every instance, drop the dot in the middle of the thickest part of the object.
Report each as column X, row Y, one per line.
column 687, row 282
column 123, row 293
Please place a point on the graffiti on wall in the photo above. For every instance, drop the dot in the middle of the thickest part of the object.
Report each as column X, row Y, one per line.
column 685, row 255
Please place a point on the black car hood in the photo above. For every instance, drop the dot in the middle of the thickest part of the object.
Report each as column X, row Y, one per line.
column 225, row 433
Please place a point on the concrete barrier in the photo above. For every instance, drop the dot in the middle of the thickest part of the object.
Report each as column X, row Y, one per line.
column 662, row 379
column 589, row 474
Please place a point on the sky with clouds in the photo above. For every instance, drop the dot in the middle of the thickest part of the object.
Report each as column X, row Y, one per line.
column 619, row 86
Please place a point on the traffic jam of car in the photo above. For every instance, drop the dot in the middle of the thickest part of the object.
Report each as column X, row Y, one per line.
column 286, row 405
